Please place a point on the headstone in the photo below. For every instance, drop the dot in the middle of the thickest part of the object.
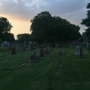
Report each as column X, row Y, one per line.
column 32, row 46
column 61, row 52
column 31, row 58
column 80, row 52
column 24, row 48
column 13, row 50
column 36, row 55
column 47, row 50
column 41, row 51
column 77, row 50
column 88, row 47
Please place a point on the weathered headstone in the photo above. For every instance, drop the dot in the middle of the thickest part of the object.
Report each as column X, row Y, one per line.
column 31, row 59
column 80, row 52
column 88, row 47
column 47, row 50
column 13, row 50
column 24, row 48
column 32, row 46
column 77, row 50
column 61, row 52
column 41, row 51
column 36, row 55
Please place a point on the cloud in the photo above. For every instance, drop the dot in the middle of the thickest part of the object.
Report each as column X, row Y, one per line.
column 72, row 10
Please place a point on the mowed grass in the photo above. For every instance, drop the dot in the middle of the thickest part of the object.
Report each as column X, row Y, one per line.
column 45, row 73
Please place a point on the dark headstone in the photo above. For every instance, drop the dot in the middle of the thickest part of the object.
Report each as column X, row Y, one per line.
column 41, row 51
column 31, row 58
column 36, row 55
column 24, row 48
column 32, row 46
column 61, row 52
column 77, row 50
column 80, row 53
column 88, row 47
column 13, row 50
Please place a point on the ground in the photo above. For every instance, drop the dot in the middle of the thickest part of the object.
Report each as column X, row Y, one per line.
column 17, row 74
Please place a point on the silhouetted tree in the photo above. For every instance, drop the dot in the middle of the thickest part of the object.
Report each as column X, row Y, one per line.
column 23, row 37
column 5, row 26
column 46, row 28
column 86, row 22
column 8, row 37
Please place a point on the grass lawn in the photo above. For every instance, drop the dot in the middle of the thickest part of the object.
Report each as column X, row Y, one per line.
column 45, row 74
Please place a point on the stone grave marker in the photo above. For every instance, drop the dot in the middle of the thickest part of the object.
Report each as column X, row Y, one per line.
column 36, row 54
column 24, row 48
column 41, row 51
column 61, row 52
column 88, row 47
column 13, row 50
column 32, row 46
column 31, row 58
column 77, row 50
column 80, row 52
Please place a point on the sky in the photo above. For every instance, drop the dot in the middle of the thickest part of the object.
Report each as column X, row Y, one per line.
column 20, row 12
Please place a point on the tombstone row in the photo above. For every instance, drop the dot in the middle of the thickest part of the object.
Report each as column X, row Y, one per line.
column 36, row 55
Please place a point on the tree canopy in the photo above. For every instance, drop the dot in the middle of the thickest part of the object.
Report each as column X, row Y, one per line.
column 8, row 37
column 86, row 21
column 5, row 27
column 23, row 37
column 47, row 28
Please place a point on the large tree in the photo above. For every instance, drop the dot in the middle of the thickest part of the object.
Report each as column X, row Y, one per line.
column 46, row 28
column 86, row 21
column 8, row 37
column 5, row 27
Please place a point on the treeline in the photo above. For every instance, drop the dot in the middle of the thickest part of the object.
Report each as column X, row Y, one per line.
column 5, row 27
column 46, row 28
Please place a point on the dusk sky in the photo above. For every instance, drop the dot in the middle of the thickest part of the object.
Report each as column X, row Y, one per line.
column 20, row 12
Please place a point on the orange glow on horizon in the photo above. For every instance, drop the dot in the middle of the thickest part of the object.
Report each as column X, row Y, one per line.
column 19, row 26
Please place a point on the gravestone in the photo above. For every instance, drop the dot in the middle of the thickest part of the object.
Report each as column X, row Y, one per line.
column 77, row 50
column 24, row 48
column 31, row 59
column 88, row 47
column 80, row 52
column 32, row 46
column 13, row 50
column 47, row 50
column 41, row 51
column 61, row 52
column 36, row 55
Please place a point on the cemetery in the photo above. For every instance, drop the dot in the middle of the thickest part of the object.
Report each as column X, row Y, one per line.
column 53, row 71
column 55, row 55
